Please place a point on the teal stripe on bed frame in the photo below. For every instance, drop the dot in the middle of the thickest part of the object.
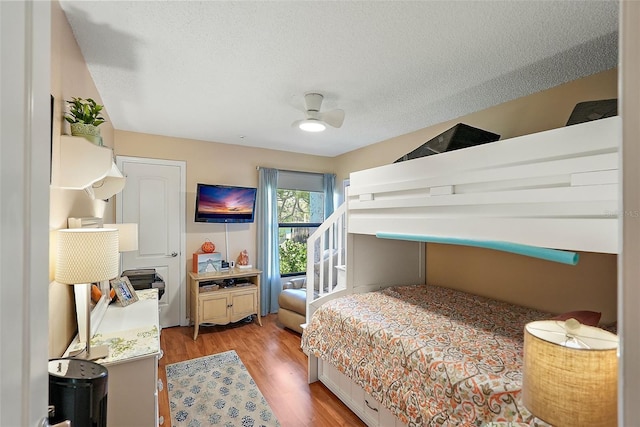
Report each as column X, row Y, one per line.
column 556, row 255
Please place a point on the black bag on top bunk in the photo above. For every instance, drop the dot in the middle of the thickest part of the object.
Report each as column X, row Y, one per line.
column 459, row 136
column 593, row 110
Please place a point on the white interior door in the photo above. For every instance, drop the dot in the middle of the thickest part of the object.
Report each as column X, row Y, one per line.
column 154, row 198
column 25, row 33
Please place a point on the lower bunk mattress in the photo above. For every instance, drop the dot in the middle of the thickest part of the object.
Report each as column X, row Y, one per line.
column 433, row 356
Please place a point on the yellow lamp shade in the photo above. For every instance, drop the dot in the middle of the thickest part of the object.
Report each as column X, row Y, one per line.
column 570, row 374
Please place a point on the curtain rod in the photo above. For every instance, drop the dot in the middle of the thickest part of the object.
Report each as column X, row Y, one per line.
column 288, row 170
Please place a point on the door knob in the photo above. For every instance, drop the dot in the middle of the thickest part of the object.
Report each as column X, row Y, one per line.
column 174, row 254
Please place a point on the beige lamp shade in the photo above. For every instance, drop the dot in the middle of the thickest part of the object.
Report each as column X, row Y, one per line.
column 86, row 255
column 127, row 235
column 570, row 374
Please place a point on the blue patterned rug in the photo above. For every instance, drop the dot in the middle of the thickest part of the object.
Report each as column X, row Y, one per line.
column 216, row 390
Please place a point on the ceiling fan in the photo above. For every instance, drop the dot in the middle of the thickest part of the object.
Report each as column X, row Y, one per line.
column 316, row 121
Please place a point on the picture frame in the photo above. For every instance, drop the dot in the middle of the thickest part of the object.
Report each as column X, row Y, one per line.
column 124, row 290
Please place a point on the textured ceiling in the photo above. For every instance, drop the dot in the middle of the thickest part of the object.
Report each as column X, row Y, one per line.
column 236, row 71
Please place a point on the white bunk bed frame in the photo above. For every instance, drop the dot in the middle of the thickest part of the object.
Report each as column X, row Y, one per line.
column 554, row 189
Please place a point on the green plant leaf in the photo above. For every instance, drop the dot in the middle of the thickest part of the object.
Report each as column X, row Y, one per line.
column 85, row 111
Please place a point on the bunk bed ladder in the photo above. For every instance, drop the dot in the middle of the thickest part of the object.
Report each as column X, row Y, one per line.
column 326, row 253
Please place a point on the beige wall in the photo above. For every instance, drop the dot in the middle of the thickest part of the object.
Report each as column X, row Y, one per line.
column 591, row 285
column 69, row 78
column 216, row 163
column 548, row 286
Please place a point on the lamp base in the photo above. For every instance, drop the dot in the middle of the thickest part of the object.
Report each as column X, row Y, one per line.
column 92, row 353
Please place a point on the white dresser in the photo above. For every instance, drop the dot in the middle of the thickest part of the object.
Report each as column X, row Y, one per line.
column 133, row 336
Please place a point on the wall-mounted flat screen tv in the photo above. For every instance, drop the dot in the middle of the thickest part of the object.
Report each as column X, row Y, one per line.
column 224, row 203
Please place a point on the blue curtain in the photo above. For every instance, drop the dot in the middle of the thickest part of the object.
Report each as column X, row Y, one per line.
column 267, row 227
column 329, row 184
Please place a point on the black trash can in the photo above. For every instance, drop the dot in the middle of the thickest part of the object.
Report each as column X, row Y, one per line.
column 78, row 391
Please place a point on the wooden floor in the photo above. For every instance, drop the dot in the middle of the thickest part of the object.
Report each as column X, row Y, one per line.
column 274, row 359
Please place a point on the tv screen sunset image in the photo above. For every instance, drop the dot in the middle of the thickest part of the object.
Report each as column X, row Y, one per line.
column 220, row 203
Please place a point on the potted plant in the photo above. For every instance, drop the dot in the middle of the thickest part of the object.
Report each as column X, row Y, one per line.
column 84, row 117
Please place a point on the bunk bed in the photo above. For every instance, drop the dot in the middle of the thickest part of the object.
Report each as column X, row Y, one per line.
column 548, row 195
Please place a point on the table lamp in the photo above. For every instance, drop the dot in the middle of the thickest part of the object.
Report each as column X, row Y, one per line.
column 570, row 373
column 86, row 255
column 127, row 238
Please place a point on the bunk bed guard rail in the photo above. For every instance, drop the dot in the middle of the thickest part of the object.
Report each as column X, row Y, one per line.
column 556, row 189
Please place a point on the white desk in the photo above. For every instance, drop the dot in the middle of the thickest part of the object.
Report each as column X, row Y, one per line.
column 133, row 336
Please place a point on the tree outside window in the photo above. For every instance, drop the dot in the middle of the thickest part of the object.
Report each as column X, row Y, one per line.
column 300, row 213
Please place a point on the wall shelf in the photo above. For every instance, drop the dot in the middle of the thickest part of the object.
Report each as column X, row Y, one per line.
column 82, row 165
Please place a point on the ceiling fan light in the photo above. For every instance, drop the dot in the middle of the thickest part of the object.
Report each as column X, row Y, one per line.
column 312, row 126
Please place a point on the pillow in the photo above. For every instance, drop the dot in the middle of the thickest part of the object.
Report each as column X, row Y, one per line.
column 589, row 318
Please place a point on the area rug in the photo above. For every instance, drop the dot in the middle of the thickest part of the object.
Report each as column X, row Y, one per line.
column 216, row 390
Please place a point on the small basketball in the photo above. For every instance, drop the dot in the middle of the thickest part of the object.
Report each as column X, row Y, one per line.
column 208, row 247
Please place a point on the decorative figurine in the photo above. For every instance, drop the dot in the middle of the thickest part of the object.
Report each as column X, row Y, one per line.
column 243, row 258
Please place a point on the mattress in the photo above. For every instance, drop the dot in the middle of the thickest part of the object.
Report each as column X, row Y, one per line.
column 433, row 356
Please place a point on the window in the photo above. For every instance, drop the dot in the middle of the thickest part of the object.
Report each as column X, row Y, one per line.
column 300, row 199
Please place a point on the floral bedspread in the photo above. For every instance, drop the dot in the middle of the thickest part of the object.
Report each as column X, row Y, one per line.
column 432, row 355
